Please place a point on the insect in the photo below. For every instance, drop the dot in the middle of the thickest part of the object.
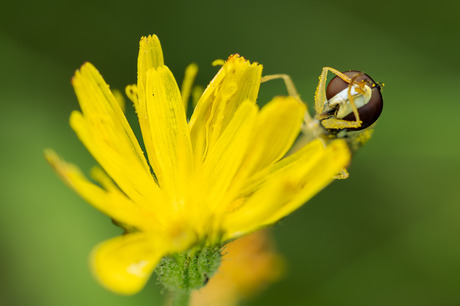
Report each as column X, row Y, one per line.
column 346, row 108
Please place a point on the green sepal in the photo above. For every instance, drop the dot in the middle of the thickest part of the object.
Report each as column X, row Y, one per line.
column 188, row 270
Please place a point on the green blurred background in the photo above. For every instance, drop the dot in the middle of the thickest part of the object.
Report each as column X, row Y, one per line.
column 389, row 235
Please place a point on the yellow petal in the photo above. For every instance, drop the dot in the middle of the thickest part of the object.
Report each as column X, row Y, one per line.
column 105, row 132
column 287, row 186
column 101, row 108
column 169, row 130
column 138, row 185
column 132, row 94
column 305, row 158
column 111, row 202
column 150, row 56
column 197, row 91
column 187, row 84
column 335, row 158
column 276, row 128
column 236, row 81
column 120, row 99
column 124, row 264
column 224, row 159
column 252, row 214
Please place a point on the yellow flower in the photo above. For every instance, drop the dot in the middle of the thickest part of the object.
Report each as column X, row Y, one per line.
column 248, row 265
column 215, row 178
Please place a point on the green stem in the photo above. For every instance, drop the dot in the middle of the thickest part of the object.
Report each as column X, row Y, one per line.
column 180, row 298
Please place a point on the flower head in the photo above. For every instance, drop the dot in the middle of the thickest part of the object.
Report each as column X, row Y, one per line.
column 201, row 183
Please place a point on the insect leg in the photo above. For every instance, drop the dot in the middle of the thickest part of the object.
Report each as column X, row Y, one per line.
column 292, row 91
column 320, row 93
column 320, row 99
column 352, row 102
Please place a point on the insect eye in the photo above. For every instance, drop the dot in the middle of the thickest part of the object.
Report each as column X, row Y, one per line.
column 368, row 113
